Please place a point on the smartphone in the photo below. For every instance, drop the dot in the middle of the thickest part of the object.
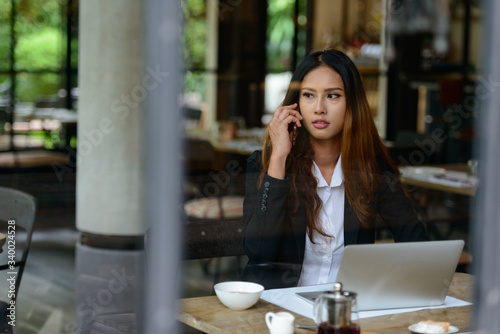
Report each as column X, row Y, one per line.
column 290, row 126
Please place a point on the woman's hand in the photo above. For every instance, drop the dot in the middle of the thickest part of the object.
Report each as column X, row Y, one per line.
column 281, row 139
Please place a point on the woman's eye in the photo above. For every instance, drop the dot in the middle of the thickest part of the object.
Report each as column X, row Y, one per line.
column 333, row 96
column 308, row 95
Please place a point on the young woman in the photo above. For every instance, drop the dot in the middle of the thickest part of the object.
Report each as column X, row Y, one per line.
column 321, row 180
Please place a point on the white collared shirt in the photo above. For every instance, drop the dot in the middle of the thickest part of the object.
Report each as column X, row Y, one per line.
column 322, row 259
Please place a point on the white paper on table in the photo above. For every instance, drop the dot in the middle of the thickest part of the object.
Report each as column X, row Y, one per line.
column 440, row 176
column 287, row 299
column 452, row 182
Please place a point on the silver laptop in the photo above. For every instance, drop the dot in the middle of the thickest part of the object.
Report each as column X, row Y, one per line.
column 398, row 275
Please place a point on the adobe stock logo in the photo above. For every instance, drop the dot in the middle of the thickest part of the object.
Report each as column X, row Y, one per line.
column 122, row 107
column 87, row 310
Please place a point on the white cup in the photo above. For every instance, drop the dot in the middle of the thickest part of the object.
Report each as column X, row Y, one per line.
column 280, row 322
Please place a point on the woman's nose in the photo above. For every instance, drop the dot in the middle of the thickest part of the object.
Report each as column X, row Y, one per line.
column 320, row 108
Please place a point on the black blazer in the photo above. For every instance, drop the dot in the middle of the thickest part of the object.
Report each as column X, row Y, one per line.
column 275, row 243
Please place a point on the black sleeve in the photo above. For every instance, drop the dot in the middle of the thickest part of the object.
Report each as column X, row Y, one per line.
column 263, row 213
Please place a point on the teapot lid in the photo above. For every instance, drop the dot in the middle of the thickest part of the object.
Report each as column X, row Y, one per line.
column 337, row 294
column 334, row 307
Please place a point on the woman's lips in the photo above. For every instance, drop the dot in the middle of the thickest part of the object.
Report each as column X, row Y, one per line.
column 320, row 124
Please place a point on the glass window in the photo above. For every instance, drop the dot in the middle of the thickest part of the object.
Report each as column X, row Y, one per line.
column 286, row 46
column 36, row 68
column 39, row 63
column 195, row 49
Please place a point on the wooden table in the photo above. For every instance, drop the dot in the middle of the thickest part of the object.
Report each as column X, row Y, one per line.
column 67, row 118
column 207, row 314
column 468, row 191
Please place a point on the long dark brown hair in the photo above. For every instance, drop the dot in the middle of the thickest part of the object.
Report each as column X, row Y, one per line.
column 361, row 147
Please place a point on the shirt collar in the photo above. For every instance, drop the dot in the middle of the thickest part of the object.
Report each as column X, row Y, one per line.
column 337, row 177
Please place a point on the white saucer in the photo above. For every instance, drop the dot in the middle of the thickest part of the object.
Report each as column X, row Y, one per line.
column 422, row 171
column 451, row 329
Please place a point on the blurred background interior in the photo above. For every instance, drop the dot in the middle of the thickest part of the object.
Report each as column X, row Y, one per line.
column 420, row 62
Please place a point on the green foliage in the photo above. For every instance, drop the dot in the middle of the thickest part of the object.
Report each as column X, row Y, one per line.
column 280, row 30
column 74, row 52
column 5, row 33
column 194, row 33
column 40, row 50
column 39, row 45
column 194, row 39
column 29, row 86
column 33, row 15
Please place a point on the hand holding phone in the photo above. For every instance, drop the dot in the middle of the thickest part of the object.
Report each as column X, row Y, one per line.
column 281, row 130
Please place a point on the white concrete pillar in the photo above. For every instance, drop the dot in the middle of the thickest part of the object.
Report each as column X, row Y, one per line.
column 113, row 80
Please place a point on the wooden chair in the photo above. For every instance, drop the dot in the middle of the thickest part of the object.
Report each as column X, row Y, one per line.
column 191, row 117
column 210, row 193
column 208, row 241
column 17, row 211
column 211, row 240
column 31, row 160
column 214, row 238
